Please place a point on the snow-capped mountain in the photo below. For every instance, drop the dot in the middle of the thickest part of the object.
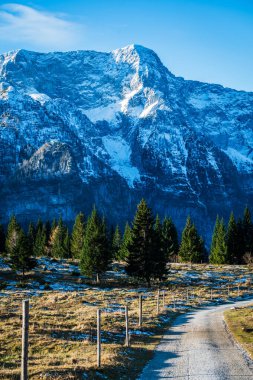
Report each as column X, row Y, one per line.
column 85, row 127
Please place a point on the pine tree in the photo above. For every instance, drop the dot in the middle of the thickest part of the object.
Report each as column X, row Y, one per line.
column 12, row 237
column 116, row 243
column 95, row 252
column 57, row 241
column 192, row 245
column 214, row 236
column 219, row 253
column 159, row 256
column 247, row 232
column 66, row 244
column 2, row 239
column 77, row 238
column 31, row 235
column 170, row 240
column 20, row 258
column 232, row 239
column 40, row 241
column 140, row 261
column 127, row 237
column 240, row 242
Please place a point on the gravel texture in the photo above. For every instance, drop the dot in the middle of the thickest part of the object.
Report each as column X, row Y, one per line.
column 198, row 347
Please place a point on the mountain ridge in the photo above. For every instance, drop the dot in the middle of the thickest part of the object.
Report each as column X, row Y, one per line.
column 120, row 126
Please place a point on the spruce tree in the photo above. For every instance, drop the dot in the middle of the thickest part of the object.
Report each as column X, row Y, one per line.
column 2, row 239
column 116, row 243
column 170, row 240
column 77, row 237
column 247, row 232
column 95, row 252
column 232, row 239
column 214, row 236
column 20, row 258
column 123, row 252
column 140, row 261
column 40, row 241
column 219, row 253
column 58, row 246
column 192, row 245
column 12, row 237
column 31, row 235
column 159, row 255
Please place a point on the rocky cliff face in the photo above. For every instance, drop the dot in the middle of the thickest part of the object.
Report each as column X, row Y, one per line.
column 84, row 127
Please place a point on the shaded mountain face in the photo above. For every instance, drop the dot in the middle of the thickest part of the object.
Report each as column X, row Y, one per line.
column 84, row 127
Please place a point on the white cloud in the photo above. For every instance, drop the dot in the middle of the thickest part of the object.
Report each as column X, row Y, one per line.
column 30, row 28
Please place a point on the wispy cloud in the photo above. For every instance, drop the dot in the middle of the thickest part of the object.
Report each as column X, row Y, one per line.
column 31, row 28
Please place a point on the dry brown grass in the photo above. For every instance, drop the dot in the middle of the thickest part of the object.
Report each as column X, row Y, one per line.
column 240, row 323
column 63, row 335
column 63, row 328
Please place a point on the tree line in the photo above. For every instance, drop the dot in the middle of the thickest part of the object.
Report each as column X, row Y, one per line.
column 146, row 246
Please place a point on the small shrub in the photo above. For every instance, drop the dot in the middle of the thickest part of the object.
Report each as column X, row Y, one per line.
column 3, row 285
column 47, row 286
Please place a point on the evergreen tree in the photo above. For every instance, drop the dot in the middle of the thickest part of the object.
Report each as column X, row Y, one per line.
column 66, row 243
column 123, row 252
column 47, row 230
column 95, row 252
column 77, row 238
column 12, row 237
column 116, row 243
column 20, row 258
column 40, row 241
column 240, row 243
column 247, row 232
column 214, row 236
column 31, row 236
column 140, row 261
column 232, row 239
column 219, row 253
column 58, row 247
column 2, row 239
column 192, row 245
column 159, row 256
column 170, row 240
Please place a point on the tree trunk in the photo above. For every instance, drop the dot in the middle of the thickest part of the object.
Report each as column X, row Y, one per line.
column 98, row 279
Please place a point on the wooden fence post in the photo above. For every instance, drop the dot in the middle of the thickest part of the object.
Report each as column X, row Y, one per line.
column 187, row 295
column 140, row 310
column 127, row 333
column 98, row 337
column 211, row 294
column 25, row 337
column 158, row 301
column 238, row 292
column 174, row 302
column 164, row 298
column 228, row 291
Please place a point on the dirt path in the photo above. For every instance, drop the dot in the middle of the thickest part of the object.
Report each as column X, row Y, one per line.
column 198, row 347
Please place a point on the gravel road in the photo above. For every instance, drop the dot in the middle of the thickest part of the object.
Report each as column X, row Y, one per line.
column 198, row 347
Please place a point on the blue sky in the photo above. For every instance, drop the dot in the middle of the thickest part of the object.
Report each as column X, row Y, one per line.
column 210, row 41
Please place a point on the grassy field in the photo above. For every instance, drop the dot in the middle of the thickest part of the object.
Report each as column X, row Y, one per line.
column 240, row 323
column 63, row 322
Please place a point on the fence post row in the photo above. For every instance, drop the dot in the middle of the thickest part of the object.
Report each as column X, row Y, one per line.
column 158, row 300
column 98, row 337
column 25, row 337
column 127, row 333
column 140, row 310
